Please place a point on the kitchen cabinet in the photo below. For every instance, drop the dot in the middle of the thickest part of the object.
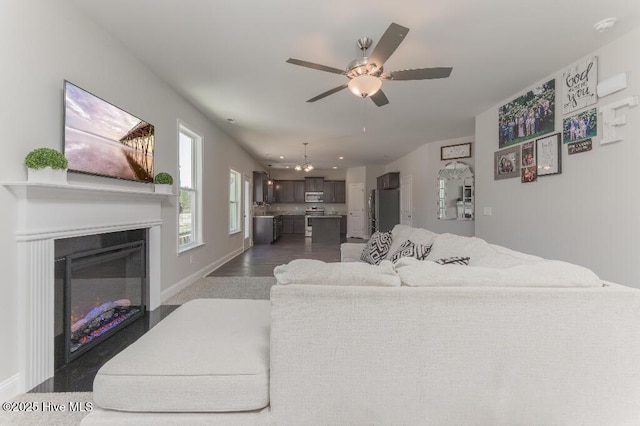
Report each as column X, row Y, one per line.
column 389, row 181
column 259, row 187
column 298, row 191
column 267, row 229
column 314, row 184
column 293, row 224
column 334, row 191
column 343, row 224
column 298, row 224
column 287, row 224
column 288, row 191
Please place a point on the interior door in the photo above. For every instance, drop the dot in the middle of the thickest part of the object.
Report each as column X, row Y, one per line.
column 406, row 209
column 247, row 212
column 355, row 220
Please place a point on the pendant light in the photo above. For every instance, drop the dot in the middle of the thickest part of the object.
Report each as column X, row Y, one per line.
column 306, row 166
column 269, row 180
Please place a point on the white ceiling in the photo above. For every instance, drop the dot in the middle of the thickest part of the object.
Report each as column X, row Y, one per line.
column 228, row 58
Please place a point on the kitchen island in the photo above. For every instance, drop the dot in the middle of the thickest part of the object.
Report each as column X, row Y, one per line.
column 326, row 229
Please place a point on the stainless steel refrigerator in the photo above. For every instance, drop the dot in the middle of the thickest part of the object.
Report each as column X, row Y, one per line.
column 384, row 209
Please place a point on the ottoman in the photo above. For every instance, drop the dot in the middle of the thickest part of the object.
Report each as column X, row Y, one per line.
column 209, row 355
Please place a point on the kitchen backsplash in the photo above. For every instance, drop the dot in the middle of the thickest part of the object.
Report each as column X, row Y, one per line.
column 329, row 208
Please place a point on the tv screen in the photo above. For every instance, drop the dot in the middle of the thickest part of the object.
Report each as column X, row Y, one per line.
column 101, row 139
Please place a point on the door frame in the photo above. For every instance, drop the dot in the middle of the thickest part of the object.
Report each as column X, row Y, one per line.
column 247, row 231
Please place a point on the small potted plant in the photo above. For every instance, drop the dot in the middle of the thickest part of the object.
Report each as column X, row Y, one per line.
column 46, row 165
column 163, row 182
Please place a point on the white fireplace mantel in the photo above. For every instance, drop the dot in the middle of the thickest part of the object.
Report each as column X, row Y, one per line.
column 47, row 212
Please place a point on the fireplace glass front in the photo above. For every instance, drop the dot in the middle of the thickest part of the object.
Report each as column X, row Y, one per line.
column 103, row 291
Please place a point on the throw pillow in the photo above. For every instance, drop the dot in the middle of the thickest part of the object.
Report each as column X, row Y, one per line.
column 455, row 260
column 410, row 249
column 377, row 248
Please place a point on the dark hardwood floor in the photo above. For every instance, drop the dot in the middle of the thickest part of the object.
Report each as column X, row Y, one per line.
column 258, row 261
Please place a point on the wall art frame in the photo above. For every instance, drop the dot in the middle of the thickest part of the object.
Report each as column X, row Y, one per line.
column 506, row 163
column 528, row 116
column 549, row 155
column 452, row 152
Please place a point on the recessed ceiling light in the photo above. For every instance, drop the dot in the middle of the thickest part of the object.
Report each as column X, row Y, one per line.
column 341, row 158
column 335, row 167
column 287, row 167
column 282, row 157
column 604, row 25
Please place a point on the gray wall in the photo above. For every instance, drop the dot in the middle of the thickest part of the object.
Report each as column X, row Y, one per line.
column 423, row 165
column 45, row 42
column 586, row 215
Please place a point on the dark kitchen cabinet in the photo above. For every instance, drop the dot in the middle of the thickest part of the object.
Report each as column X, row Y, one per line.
column 284, row 191
column 334, row 191
column 298, row 224
column 293, row 224
column 277, row 191
column 287, row 224
column 314, row 184
column 259, row 187
column 343, row 224
column 389, row 181
column 298, row 191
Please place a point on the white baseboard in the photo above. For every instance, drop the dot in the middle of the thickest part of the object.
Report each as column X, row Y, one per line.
column 10, row 388
column 186, row 282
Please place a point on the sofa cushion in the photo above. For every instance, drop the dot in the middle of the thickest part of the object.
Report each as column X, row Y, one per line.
column 541, row 273
column 209, row 355
column 402, row 233
column 317, row 272
column 377, row 247
column 410, row 249
column 478, row 250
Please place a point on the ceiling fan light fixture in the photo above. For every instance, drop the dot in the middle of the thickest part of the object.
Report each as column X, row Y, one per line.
column 365, row 85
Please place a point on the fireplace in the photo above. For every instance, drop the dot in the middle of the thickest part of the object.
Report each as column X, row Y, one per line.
column 49, row 215
column 100, row 289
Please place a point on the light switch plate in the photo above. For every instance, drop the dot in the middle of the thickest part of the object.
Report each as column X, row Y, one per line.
column 487, row 211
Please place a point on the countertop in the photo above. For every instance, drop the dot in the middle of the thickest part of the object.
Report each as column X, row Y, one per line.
column 275, row 214
column 328, row 216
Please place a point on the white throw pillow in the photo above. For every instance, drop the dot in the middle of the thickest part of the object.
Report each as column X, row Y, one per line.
column 317, row 272
column 402, row 233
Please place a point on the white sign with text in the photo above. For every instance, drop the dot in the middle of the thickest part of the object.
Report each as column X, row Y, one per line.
column 579, row 85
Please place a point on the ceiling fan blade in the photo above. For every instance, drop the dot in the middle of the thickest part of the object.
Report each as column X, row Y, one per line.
column 328, row 92
column 315, row 66
column 418, row 74
column 379, row 98
column 388, row 44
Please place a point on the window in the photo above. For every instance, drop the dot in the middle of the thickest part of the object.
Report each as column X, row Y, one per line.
column 189, row 161
column 235, row 200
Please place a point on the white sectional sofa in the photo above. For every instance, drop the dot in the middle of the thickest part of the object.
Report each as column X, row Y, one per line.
column 394, row 344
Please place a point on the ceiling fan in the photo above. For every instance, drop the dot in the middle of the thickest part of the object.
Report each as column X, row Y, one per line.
column 366, row 73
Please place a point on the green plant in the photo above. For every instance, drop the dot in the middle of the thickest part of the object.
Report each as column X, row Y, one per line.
column 163, row 178
column 40, row 158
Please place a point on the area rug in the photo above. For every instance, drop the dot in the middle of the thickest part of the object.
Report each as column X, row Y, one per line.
column 51, row 409
column 225, row 288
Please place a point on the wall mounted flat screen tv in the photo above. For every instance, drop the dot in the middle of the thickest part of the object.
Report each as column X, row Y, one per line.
column 101, row 139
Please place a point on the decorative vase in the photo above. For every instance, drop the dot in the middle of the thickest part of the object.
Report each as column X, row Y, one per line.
column 163, row 188
column 47, row 175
